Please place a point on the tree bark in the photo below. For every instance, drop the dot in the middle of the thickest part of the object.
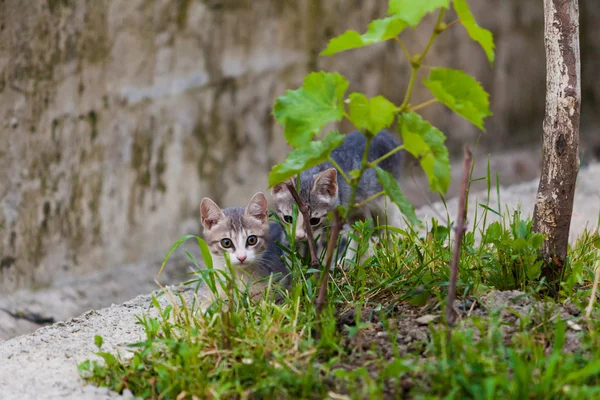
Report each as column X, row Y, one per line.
column 554, row 202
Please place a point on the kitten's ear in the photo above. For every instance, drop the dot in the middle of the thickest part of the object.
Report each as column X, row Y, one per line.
column 281, row 188
column 257, row 208
column 326, row 183
column 210, row 213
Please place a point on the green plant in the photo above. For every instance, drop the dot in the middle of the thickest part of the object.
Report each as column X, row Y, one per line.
column 322, row 100
column 514, row 263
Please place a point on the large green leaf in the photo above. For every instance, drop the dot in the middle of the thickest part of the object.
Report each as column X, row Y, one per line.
column 477, row 33
column 426, row 143
column 412, row 11
column 301, row 158
column 371, row 115
column 303, row 112
column 378, row 31
column 461, row 93
column 392, row 189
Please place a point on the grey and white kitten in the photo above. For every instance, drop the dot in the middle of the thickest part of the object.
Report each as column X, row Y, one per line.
column 248, row 237
column 323, row 189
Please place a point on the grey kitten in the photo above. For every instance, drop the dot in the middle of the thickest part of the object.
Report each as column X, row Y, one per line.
column 323, row 189
column 248, row 237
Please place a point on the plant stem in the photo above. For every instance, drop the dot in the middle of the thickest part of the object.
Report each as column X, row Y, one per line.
column 354, row 185
column 305, row 210
column 417, row 64
column 588, row 309
column 409, row 89
column 340, row 170
column 386, row 155
column 331, row 244
column 434, row 34
column 450, row 24
column 423, row 105
column 404, row 49
column 459, row 231
column 376, row 195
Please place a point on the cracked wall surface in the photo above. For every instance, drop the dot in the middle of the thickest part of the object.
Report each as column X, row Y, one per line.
column 117, row 117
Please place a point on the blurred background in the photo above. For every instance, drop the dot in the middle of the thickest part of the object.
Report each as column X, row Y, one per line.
column 117, row 117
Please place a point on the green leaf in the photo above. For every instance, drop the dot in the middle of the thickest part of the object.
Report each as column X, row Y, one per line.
column 413, row 11
column 426, row 143
column 304, row 112
column 371, row 115
column 378, row 31
column 176, row 245
column 392, row 189
column 206, row 256
column 304, row 157
column 477, row 33
column 98, row 341
column 461, row 93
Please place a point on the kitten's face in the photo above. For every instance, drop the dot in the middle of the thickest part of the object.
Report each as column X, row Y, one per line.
column 241, row 232
column 319, row 191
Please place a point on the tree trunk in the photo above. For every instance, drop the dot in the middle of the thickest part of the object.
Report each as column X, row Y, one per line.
column 554, row 202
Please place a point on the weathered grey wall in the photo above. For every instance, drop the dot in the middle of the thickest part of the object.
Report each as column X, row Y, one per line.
column 117, row 117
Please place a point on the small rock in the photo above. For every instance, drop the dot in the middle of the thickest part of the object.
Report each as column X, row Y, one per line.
column 572, row 309
column 426, row 319
column 14, row 122
column 127, row 394
column 573, row 325
column 382, row 334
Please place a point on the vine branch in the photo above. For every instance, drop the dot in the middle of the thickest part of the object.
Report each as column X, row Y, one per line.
column 340, row 170
column 305, row 210
column 373, row 197
column 386, row 155
column 331, row 244
column 404, row 49
column 416, row 64
column 423, row 105
column 459, row 231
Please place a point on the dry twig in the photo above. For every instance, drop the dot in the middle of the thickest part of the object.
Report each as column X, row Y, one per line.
column 459, row 230
column 331, row 245
column 305, row 210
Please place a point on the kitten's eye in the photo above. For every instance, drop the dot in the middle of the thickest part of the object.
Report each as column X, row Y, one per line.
column 315, row 221
column 252, row 240
column 287, row 218
column 226, row 243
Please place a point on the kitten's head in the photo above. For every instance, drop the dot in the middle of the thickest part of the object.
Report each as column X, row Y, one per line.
column 242, row 232
column 319, row 190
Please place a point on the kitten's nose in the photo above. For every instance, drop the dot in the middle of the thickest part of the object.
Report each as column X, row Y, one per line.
column 301, row 236
column 241, row 258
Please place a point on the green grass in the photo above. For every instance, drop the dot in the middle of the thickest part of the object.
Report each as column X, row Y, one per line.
column 244, row 347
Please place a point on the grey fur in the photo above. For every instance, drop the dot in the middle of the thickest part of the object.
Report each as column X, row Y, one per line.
column 317, row 190
column 349, row 156
column 237, row 224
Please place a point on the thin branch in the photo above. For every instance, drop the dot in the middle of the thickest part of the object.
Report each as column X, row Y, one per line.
column 386, row 155
column 354, row 186
column 459, row 230
column 373, row 197
column 423, row 105
column 404, row 49
column 305, row 210
column 332, row 243
column 434, row 34
column 451, row 24
column 417, row 64
column 588, row 309
column 409, row 88
column 340, row 170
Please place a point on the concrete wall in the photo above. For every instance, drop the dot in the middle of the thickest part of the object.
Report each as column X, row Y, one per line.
column 117, row 117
